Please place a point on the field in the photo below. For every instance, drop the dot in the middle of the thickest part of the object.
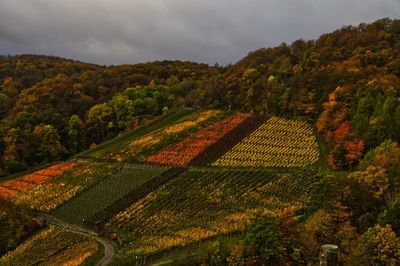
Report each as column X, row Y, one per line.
column 107, row 195
column 53, row 246
column 216, row 202
column 136, row 149
column 184, row 152
column 119, row 142
column 14, row 186
column 23, row 185
column 181, row 181
column 62, row 182
column 277, row 143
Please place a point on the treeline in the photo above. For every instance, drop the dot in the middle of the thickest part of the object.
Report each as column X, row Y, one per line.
column 51, row 108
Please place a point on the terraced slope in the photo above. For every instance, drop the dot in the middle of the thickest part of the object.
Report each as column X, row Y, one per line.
column 278, row 143
column 53, row 246
column 103, row 149
column 112, row 194
column 172, row 198
column 189, row 149
column 46, row 189
column 202, row 203
column 140, row 145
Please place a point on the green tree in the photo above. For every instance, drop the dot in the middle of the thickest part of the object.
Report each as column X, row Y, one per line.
column 76, row 137
column 264, row 236
column 392, row 217
column 99, row 119
column 123, row 109
column 385, row 124
column 50, row 148
column 360, row 122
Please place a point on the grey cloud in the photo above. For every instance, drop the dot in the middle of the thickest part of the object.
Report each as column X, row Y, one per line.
column 131, row 31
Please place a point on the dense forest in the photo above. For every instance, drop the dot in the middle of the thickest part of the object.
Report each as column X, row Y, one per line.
column 51, row 108
column 346, row 83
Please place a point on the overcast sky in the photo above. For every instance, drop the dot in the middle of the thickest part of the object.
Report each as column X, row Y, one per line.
column 209, row 31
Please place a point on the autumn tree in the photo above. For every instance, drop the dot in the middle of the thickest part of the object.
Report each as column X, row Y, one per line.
column 274, row 237
column 12, row 160
column 378, row 246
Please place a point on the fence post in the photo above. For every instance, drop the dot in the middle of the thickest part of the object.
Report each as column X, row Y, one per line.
column 329, row 255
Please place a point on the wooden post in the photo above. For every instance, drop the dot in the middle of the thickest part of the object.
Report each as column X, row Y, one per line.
column 329, row 255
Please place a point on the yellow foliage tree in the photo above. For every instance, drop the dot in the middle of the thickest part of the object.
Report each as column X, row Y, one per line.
column 378, row 246
column 375, row 178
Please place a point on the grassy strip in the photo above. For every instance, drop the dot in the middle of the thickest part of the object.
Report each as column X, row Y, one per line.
column 321, row 164
column 92, row 261
column 192, row 254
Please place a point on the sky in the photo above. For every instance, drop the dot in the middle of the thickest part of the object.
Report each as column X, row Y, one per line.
column 206, row 31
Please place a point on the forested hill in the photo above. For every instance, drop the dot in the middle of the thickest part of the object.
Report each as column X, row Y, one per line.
column 347, row 82
column 46, row 103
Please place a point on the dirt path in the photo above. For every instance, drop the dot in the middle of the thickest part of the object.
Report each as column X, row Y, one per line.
column 108, row 247
column 108, row 252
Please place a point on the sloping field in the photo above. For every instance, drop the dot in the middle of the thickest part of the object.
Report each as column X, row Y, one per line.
column 110, row 195
column 47, row 189
column 184, row 152
column 170, row 199
column 26, row 182
column 202, row 203
column 140, row 145
column 53, row 246
column 119, row 142
column 278, row 143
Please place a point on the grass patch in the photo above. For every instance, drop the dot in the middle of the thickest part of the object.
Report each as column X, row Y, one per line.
column 321, row 164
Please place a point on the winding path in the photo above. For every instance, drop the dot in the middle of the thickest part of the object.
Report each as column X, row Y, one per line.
column 108, row 247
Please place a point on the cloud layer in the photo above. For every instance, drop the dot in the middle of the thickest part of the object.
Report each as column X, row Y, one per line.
column 132, row 31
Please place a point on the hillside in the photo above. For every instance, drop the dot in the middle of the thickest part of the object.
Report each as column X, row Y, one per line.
column 258, row 163
column 52, row 108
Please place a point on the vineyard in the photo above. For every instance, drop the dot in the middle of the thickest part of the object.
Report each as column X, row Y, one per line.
column 158, row 139
column 61, row 187
column 278, row 143
column 287, row 155
column 198, row 177
column 89, row 207
column 184, row 152
column 18, row 185
column 216, row 202
column 53, row 246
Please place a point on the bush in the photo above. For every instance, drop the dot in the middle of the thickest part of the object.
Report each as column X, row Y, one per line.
column 14, row 166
